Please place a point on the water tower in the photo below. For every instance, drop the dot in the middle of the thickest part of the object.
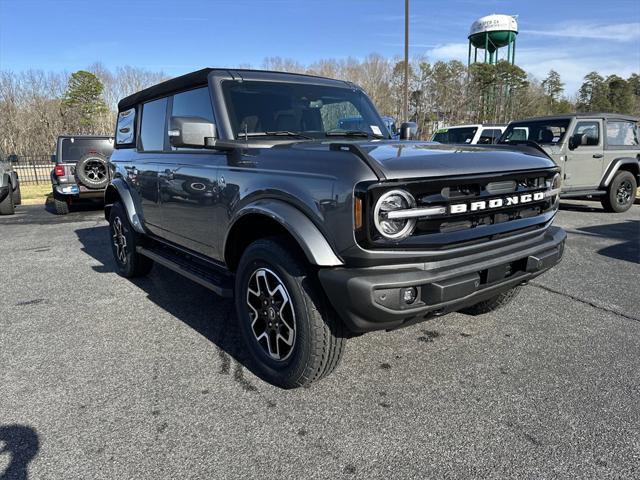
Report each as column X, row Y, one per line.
column 492, row 33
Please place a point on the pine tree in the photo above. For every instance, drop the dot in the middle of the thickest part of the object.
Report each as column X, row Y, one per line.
column 553, row 89
column 83, row 104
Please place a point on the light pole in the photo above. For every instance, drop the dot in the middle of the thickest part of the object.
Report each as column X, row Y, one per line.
column 406, row 60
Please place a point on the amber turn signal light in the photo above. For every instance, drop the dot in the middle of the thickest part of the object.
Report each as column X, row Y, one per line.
column 357, row 213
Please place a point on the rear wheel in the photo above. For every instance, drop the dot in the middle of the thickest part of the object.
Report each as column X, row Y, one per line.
column 293, row 335
column 61, row 204
column 124, row 241
column 493, row 303
column 7, row 207
column 621, row 193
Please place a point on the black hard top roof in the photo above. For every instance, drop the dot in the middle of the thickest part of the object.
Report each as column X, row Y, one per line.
column 619, row 116
column 200, row 77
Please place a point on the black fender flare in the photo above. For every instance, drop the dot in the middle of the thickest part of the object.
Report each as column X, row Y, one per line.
column 118, row 189
column 314, row 244
column 615, row 165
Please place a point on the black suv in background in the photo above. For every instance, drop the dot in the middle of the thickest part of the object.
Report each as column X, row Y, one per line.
column 250, row 183
column 80, row 170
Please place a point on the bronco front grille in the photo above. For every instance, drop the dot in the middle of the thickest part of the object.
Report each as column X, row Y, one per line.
column 461, row 210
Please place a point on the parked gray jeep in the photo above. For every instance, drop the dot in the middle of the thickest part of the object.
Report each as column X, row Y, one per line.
column 10, row 194
column 80, row 170
column 598, row 153
column 250, row 183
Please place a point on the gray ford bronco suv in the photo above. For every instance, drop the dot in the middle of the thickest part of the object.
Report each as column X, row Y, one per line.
column 244, row 182
column 80, row 170
column 10, row 195
column 598, row 153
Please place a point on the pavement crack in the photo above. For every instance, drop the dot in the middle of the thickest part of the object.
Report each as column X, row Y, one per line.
column 585, row 302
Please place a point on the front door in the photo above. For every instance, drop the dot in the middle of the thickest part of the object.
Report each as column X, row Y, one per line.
column 584, row 163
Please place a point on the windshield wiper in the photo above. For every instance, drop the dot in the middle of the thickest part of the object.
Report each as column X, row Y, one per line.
column 277, row 133
column 351, row 133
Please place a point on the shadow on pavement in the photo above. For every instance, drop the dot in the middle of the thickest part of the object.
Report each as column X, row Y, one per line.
column 628, row 233
column 210, row 315
column 22, row 444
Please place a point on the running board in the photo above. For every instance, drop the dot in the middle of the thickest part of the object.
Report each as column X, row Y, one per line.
column 219, row 282
column 583, row 193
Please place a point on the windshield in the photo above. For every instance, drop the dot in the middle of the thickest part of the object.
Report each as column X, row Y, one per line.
column 544, row 132
column 455, row 135
column 73, row 149
column 313, row 110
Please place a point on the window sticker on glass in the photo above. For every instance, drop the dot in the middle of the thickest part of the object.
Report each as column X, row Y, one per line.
column 376, row 130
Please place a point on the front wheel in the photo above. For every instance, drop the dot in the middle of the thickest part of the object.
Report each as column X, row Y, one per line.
column 493, row 303
column 7, row 207
column 621, row 193
column 123, row 245
column 293, row 335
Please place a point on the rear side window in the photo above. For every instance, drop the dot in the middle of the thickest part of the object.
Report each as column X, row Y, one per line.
column 153, row 129
column 193, row 103
column 125, row 127
column 622, row 133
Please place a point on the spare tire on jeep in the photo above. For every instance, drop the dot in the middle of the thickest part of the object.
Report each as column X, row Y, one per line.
column 91, row 171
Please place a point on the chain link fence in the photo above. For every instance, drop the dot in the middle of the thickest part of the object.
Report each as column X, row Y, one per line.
column 33, row 169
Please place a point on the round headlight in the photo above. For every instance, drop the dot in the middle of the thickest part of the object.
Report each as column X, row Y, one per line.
column 398, row 228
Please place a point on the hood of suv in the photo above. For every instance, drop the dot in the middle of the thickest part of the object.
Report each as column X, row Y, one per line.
column 411, row 159
column 415, row 159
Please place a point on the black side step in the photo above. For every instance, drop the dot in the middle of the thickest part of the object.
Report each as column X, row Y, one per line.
column 208, row 276
column 583, row 193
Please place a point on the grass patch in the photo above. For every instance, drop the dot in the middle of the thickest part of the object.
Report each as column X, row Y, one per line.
column 35, row 192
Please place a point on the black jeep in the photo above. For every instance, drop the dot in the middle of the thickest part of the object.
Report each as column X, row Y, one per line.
column 245, row 182
column 80, row 170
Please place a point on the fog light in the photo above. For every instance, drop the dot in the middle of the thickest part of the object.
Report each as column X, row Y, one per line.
column 409, row 295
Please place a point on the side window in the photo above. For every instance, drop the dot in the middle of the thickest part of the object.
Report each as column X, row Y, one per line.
column 591, row 130
column 153, row 128
column 622, row 133
column 193, row 103
column 125, row 127
column 489, row 135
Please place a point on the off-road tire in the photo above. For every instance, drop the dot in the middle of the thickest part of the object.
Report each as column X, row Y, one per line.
column 131, row 264
column 319, row 333
column 98, row 177
column 7, row 207
column 624, row 180
column 17, row 196
column 61, row 204
column 493, row 303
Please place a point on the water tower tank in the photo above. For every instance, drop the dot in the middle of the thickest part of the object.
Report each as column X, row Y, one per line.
column 491, row 33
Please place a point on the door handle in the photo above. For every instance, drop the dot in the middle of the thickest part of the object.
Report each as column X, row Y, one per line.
column 598, row 155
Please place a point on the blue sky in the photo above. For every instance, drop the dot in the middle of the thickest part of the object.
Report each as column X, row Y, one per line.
column 178, row 36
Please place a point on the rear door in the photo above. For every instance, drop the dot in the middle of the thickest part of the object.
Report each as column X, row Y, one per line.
column 584, row 164
column 621, row 140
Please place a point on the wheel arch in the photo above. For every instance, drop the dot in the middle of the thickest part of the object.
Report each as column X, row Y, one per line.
column 118, row 190
column 630, row 164
column 275, row 217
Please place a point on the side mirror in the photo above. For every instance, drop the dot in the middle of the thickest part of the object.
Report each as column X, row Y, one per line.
column 190, row 132
column 577, row 140
column 408, row 131
column 54, row 158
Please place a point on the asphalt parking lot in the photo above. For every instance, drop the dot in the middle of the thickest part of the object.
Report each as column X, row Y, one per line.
column 101, row 377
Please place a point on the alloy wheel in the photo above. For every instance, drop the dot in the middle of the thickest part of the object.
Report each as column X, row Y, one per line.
column 624, row 192
column 119, row 241
column 271, row 313
column 95, row 170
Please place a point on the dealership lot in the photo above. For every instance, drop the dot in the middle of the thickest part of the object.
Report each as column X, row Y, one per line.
column 101, row 377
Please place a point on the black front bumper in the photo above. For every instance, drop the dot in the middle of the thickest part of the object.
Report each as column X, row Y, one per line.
column 370, row 298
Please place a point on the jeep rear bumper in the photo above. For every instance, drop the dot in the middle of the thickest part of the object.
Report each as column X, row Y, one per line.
column 371, row 298
column 76, row 191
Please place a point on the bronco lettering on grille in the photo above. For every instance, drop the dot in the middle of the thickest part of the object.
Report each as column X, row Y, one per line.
column 496, row 203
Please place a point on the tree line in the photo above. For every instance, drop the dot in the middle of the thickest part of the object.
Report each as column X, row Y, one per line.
column 37, row 106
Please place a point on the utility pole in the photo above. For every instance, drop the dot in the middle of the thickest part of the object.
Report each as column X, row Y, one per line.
column 406, row 60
